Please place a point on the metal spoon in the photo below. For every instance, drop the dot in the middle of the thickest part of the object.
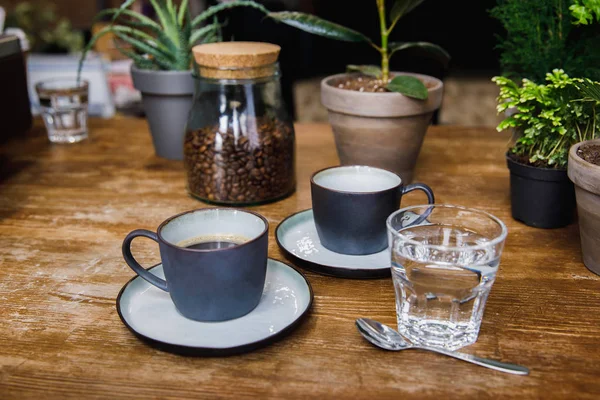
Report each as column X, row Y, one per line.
column 389, row 339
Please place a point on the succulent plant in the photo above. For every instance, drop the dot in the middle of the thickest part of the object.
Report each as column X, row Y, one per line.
column 165, row 44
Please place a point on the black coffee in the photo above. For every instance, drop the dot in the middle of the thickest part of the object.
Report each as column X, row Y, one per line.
column 212, row 242
column 219, row 244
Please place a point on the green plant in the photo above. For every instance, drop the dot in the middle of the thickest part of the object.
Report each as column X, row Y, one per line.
column 45, row 32
column 166, row 44
column 541, row 35
column 549, row 117
column 585, row 11
column 407, row 85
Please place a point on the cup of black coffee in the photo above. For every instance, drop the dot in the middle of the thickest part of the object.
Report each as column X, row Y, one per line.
column 351, row 204
column 214, row 260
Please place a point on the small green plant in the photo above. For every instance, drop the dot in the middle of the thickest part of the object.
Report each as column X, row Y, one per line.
column 542, row 35
column 166, row 44
column 585, row 12
column 46, row 32
column 549, row 117
column 406, row 85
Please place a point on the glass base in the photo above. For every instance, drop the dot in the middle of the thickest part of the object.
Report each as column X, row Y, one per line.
column 67, row 136
column 436, row 333
column 68, row 125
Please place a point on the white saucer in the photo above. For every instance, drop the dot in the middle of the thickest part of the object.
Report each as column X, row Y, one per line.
column 151, row 315
column 298, row 239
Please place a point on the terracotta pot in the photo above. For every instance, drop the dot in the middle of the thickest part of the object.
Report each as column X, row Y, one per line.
column 382, row 130
column 586, row 177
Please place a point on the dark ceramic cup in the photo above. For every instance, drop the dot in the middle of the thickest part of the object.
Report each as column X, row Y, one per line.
column 209, row 284
column 351, row 204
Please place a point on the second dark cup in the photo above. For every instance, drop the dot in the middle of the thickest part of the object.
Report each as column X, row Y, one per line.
column 351, row 204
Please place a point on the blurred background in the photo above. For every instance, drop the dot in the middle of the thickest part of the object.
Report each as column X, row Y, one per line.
column 464, row 29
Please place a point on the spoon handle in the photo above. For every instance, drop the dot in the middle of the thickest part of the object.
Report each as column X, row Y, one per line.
column 484, row 362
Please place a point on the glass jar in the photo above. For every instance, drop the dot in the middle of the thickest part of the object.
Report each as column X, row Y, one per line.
column 239, row 146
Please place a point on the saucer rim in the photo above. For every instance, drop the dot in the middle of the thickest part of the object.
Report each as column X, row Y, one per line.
column 328, row 270
column 198, row 351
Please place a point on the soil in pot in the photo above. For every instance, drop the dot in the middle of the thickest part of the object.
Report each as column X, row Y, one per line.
column 540, row 197
column 364, row 83
column 590, row 153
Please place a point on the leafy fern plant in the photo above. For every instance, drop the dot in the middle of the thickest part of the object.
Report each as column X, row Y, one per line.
column 549, row 117
column 406, row 85
column 585, row 12
column 165, row 44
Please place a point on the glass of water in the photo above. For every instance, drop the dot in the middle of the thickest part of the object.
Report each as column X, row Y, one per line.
column 64, row 108
column 444, row 262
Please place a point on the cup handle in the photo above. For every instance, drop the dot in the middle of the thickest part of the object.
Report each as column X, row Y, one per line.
column 134, row 265
column 420, row 186
column 430, row 198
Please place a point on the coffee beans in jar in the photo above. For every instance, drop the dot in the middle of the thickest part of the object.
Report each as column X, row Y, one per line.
column 249, row 165
column 239, row 145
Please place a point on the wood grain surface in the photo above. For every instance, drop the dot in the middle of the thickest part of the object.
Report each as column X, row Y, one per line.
column 64, row 211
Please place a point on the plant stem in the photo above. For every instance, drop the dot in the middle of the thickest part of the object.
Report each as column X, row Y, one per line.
column 560, row 19
column 555, row 147
column 385, row 59
column 593, row 134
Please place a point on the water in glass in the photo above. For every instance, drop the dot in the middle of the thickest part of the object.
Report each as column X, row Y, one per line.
column 64, row 108
column 442, row 276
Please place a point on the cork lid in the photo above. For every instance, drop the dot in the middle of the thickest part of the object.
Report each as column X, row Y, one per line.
column 236, row 60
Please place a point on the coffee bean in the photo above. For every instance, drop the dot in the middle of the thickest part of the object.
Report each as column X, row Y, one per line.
column 241, row 169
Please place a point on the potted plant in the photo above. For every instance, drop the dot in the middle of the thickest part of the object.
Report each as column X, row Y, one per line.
column 547, row 120
column 378, row 117
column 162, row 61
column 584, row 171
column 543, row 35
column 45, row 31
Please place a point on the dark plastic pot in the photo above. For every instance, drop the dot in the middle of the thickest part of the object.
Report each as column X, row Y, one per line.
column 541, row 197
column 167, row 99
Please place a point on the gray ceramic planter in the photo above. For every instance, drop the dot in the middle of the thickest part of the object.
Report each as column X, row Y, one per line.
column 167, row 98
column 382, row 130
column 586, row 177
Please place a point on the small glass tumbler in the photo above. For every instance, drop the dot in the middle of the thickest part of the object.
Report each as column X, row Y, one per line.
column 444, row 262
column 64, row 108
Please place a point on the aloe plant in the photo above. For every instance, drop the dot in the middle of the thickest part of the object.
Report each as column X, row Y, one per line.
column 165, row 44
column 406, row 85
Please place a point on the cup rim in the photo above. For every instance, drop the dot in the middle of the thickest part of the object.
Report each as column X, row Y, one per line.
column 80, row 84
column 495, row 241
column 165, row 222
column 312, row 179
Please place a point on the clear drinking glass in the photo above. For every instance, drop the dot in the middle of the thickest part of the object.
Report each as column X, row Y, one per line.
column 444, row 262
column 64, row 108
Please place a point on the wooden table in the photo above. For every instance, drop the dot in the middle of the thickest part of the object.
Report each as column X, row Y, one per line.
column 64, row 211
